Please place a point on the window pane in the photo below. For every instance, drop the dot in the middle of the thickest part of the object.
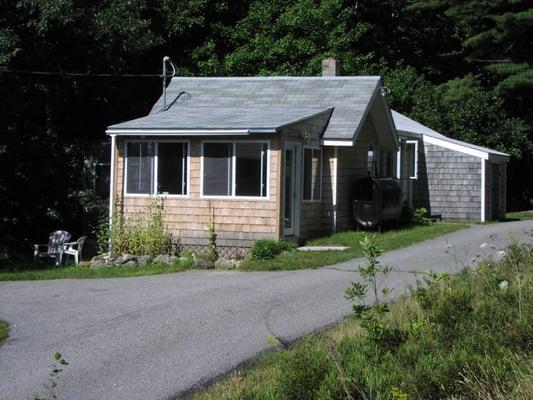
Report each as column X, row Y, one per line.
column 250, row 169
column 312, row 174
column 408, row 161
column 217, row 169
column 172, row 168
column 139, row 166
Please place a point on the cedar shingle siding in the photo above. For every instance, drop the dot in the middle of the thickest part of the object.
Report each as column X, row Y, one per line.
column 449, row 183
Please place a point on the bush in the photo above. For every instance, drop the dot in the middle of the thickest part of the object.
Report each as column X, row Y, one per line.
column 145, row 234
column 420, row 216
column 302, row 372
column 266, row 249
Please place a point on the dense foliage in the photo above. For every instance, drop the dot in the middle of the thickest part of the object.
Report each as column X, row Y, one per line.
column 461, row 67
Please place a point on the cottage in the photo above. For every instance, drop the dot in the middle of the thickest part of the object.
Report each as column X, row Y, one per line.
column 451, row 178
column 277, row 157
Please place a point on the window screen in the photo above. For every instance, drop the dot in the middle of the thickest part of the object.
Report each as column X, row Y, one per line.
column 251, row 169
column 217, row 169
column 172, row 168
column 140, row 168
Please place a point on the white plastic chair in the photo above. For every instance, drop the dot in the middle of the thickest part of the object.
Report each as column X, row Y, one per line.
column 74, row 249
column 54, row 248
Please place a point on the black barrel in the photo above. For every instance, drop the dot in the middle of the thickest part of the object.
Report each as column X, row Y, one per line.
column 376, row 200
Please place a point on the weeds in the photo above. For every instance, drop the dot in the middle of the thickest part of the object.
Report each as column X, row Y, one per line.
column 55, row 374
column 143, row 234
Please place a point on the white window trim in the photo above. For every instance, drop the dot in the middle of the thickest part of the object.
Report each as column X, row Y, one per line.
column 415, row 176
column 319, row 200
column 233, row 196
column 155, row 171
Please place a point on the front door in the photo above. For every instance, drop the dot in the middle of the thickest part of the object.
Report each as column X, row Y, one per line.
column 290, row 199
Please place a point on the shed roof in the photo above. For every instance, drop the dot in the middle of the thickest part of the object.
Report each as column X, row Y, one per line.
column 408, row 125
column 350, row 97
column 265, row 119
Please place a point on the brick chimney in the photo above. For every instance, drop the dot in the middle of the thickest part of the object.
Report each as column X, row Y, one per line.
column 331, row 67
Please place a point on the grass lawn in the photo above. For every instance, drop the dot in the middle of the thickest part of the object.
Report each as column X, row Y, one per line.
column 519, row 215
column 388, row 240
column 468, row 336
column 4, row 330
column 88, row 273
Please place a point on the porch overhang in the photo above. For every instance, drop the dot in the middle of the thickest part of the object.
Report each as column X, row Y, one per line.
column 215, row 121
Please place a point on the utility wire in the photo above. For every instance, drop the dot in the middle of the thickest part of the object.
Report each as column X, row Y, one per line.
column 78, row 74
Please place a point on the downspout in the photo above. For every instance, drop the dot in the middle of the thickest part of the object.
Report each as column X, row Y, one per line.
column 112, row 179
column 334, row 189
column 482, row 191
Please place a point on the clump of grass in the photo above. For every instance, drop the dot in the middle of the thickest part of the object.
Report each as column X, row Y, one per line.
column 468, row 336
column 4, row 330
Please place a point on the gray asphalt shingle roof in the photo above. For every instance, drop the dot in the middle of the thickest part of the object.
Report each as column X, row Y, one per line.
column 350, row 98
column 187, row 116
column 406, row 124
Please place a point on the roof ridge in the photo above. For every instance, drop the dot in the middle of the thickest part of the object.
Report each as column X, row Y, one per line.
column 358, row 77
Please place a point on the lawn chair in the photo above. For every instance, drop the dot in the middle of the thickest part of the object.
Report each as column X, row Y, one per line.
column 54, row 249
column 74, row 249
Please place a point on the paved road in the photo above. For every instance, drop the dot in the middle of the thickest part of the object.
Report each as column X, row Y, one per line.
column 155, row 337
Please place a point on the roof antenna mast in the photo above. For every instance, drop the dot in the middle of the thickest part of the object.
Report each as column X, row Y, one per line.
column 166, row 60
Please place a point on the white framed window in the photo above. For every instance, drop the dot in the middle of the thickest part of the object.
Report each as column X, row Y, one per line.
column 409, row 159
column 312, row 174
column 156, row 168
column 235, row 169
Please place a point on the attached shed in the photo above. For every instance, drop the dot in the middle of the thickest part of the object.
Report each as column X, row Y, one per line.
column 451, row 178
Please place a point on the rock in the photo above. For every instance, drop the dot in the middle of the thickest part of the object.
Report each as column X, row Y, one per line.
column 162, row 259
column 130, row 263
column 172, row 259
column 144, row 260
column 204, row 264
column 124, row 258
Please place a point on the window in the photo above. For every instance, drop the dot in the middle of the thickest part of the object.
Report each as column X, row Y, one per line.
column 139, row 167
column 217, row 169
column 172, row 168
column 312, row 174
column 235, row 169
column 372, row 160
column 156, row 168
column 409, row 159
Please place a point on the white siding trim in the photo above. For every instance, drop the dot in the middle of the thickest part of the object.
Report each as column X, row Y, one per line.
column 483, row 172
column 112, row 179
column 343, row 143
column 334, row 189
column 180, row 132
column 456, row 147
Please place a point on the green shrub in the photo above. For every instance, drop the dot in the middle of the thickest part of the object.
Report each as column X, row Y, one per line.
column 266, row 249
column 420, row 216
column 143, row 234
column 302, row 371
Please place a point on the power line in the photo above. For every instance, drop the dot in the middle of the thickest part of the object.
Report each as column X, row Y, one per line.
column 78, row 74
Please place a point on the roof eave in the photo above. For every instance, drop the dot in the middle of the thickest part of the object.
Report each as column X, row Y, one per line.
column 186, row 132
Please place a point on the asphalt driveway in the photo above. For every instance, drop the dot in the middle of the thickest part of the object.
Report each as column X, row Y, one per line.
column 158, row 336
